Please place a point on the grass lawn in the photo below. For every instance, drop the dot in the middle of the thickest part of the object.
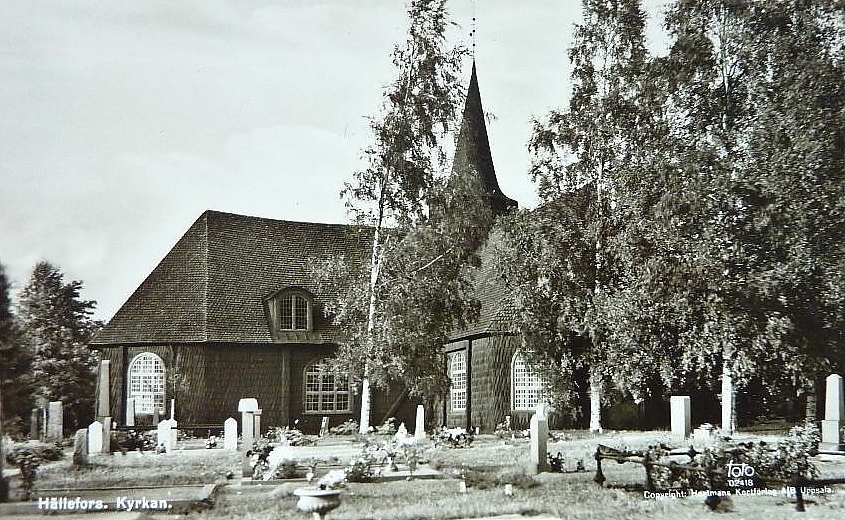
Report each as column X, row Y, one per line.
column 570, row 495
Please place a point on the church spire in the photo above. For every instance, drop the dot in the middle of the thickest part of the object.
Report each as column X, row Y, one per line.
column 472, row 150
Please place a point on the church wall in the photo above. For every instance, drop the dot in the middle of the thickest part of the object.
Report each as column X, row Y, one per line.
column 491, row 361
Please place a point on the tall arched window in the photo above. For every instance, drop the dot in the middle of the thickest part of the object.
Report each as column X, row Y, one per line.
column 526, row 386
column 326, row 391
column 458, row 374
column 146, row 383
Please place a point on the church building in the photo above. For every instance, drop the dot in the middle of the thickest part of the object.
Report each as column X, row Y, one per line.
column 230, row 312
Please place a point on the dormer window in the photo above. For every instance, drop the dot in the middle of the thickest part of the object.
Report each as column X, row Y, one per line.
column 291, row 310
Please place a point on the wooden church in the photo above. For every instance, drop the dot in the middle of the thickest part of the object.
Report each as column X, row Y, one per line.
column 230, row 313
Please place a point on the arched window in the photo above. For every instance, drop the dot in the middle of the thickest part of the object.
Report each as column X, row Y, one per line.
column 291, row 310
column 458, row 374
column 146, row 383
column 526, row 386
column 326, row 391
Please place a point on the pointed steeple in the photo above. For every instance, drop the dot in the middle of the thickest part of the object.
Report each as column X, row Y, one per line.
column 472, row 150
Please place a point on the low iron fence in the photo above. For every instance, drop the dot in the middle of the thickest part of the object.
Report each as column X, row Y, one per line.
column 713, row 476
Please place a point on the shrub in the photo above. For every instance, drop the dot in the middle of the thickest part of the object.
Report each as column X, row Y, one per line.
column 453, row 437
column 132, row 440
column 350, row 427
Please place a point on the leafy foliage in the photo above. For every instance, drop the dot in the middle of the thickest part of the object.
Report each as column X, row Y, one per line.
column 59, row 327
column 16, row 354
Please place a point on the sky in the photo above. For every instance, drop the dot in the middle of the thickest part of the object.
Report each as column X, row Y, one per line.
column 123, row 121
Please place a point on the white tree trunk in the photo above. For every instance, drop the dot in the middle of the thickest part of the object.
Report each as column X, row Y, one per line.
column 595, row 402
column 728, row 402
column 375, row 264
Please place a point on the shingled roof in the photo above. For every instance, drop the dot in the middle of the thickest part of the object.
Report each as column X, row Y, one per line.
column 472, row 149
column 212, row 284
column 497, row 310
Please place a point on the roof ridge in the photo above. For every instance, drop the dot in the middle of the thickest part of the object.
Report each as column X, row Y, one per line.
column 212, row 212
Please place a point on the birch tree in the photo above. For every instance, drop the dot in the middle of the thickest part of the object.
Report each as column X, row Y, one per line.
column 392, row 194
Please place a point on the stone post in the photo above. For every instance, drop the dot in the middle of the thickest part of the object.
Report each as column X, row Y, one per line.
column 103, row 405
column 681, row 423
column 419, row 427
column 55, row 421
column 539, row 437
column 130, row 412
column 230, row 434
column 256, row 430
column 834, row 414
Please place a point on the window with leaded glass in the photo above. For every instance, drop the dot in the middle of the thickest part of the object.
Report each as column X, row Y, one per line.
column 326, row 391
column 294, row 312
column 458, row 374
column 526, row 386
column 146, row 383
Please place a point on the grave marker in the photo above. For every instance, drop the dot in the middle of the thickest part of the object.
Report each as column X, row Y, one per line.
column 55, row 424
column 681, row 423
column 419, row 428
column 107, row 427
column 324, row 426
column 95, row 437
column 130, row 412
column 103, row 389
column 539, row 437
column 230, row 434
column 834, row 414
column 80, row 448
column 164, row 436
column 256, row 416
column 247, row 406
column 33, row 424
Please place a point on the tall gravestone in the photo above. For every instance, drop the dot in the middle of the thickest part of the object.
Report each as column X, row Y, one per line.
column 230, row 434
column 33, row 424
column 539, row 430
column 681, row 423
column 247, row 406
column 834, row 414
column 107, row 428
column 324, row 426
column 419, row 426
column 130, row 412
column 103, row 405
column 80, row 448
column 95, row 437
column 55, row 421
column 256, row 423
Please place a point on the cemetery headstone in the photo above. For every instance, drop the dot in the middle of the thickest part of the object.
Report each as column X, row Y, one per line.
column 324, row 426
column 130, row 412
column 728, row 404
column 539, row 430
column 172, row 409
column 230, row 434
column 681, row 420
column 174, row 433
column 55, row 424
column 95, row 437
column 256, row 429
column 419, row 427
column 80, row 448
column 107, row 427
column 33, row 424
column 164, row 436
column 834, row 414
column 103, row 387
column 247, row 406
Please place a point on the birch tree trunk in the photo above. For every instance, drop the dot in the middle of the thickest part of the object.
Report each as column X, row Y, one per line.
column 595, row 401
column 728, row 402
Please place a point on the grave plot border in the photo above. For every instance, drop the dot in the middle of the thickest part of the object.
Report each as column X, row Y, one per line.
column 640, row 457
